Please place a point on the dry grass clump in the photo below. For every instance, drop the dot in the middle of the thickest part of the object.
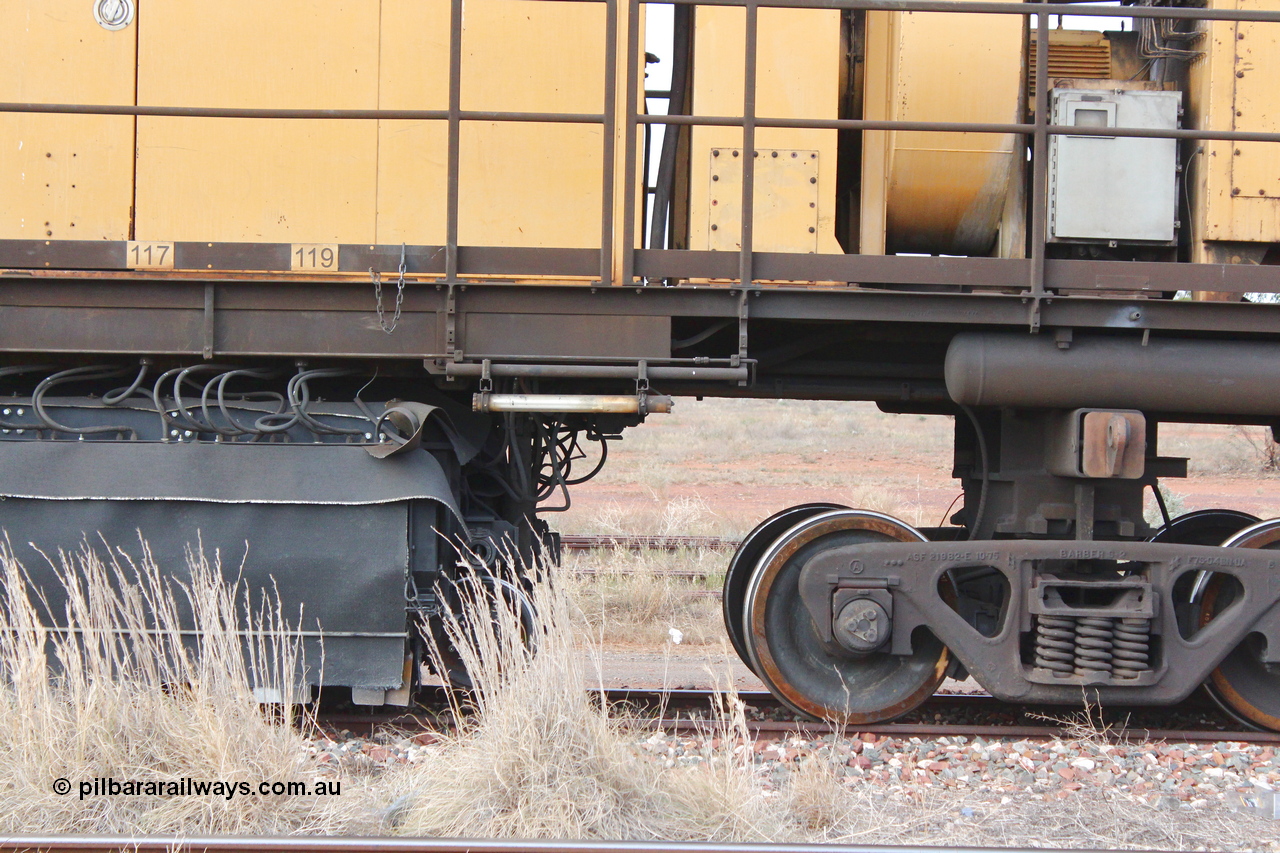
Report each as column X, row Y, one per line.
column 1222, row 449
column 539, row 757
column 659, row 516
column 131, row 699
column 623, row 597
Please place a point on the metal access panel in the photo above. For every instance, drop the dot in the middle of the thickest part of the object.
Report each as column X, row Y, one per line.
column 785, row 209
column 65, row 177
column 1113, row 188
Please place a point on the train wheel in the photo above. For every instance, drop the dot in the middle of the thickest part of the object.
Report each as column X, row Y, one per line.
column 744, row 561
column 1243, row 685
column 791, row 660
column 1204, row 527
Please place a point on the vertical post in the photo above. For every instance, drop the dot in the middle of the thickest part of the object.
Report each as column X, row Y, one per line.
column 209, row 320
column 627, row 242
column 455, row 138
column 745, row 274
column 1040, row 167
column 609, row 154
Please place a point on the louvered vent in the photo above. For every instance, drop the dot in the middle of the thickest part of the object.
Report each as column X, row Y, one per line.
column 1073, row 53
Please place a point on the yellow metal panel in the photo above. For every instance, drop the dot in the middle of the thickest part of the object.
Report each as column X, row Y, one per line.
column 798, row 73
column 785, row 188
column 938, row 192
column 534, row 185
column 258, row 180
column 533, row 57
column 413, row 155
column 1236, row 187
column 64, row 177
column 519, row 184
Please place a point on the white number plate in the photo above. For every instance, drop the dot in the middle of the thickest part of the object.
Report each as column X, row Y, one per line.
column 314, row 256
column 148, row 255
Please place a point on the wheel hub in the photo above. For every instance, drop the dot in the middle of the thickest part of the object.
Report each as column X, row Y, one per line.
column 862, row 626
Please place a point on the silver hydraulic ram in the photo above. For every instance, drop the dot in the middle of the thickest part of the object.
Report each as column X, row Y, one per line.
column 595, row 404
column 1151, row 374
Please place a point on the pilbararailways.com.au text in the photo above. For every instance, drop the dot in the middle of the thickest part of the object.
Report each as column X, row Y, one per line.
column 188, row 787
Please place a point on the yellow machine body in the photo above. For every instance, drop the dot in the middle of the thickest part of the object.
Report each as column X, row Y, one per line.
column 542, row 184
column 290, row 180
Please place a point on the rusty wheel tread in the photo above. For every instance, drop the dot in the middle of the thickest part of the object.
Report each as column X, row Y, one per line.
column 738, row 576
column 1226, row 693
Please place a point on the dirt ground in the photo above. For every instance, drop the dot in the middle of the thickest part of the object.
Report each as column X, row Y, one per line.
column 720, row 466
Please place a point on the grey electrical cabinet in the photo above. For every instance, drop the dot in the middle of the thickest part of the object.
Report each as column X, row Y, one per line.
column 1113, row 188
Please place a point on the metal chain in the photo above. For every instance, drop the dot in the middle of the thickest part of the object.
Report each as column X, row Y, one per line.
column 377, row 292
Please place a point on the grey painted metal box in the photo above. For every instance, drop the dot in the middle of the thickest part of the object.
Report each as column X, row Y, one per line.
column 1111, row 188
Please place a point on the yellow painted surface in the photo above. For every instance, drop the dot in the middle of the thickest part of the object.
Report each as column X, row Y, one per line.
column 413, row 155
column 520, row 184
column 64, row 177
column 258, row 179
column 535, row 185
column 798, row 73
column 1237, row 185
column 938, row 193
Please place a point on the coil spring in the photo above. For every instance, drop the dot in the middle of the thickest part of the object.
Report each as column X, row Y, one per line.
column 1131, row 647
column 1093, row 645
column 1056, row 643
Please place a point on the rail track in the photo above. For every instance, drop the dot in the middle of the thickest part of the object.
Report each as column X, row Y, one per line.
column 689, row 711
column 606, row 542
column 593, row 542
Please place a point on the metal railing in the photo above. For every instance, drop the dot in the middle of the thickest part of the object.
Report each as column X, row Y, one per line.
column 637, row 265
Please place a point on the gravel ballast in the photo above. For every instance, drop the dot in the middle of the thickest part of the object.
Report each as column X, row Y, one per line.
column 977, row 781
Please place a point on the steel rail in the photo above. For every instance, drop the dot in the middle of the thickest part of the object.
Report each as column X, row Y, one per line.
column 812, row 730
column 767, row 730
column 319, row 844
column 683, row 699
column 585, row 542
